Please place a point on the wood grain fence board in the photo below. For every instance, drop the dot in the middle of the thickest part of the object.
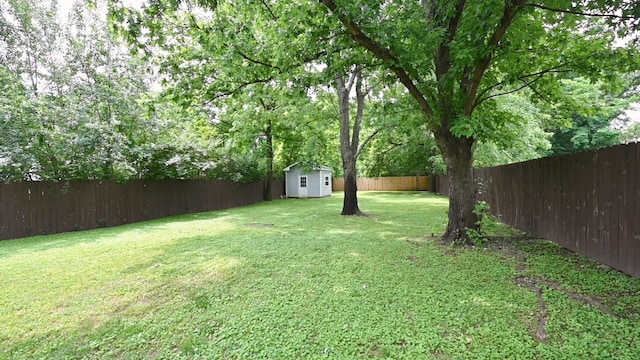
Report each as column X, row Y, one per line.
column 109, row 207
column 617, row 247
column 605, row 218
column 103, row 210
column 573, row 201
column 63, row 207
column 21, row 215
column 47, row 200
column 209, row 198
column 628, row 211
column 215, row 198
column 561, row 208
column 628, row 175
column 526, row 198
column 633, row 256
column 582, row 200
column 23, row 199
column 87, row 201
column 7, row 211
column 572, row 205
column 552, row 196
column 180, row 199
column 584, row 227
column 539, row 192
column 624, row 216
column 591, row 243
column 34, row 216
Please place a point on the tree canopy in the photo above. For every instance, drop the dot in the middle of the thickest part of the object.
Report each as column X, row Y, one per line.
column 248, row 87
column 456, row 58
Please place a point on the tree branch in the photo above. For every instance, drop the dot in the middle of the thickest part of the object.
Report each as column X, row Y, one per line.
column 255, row 61
column 395, row 146
column 511, row 8
column 443, row 52
column 360, row 97
column 582, row 13
column 538, row 75
column 353, row 77
column 383, row 54
column 526, row 84
column 367, row 141
column 539, row 95
column 221, row 94
column 269, row 9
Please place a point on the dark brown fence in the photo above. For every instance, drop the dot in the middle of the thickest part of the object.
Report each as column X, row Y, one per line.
column 392, row 183
column 587, row 202
column 35, row 208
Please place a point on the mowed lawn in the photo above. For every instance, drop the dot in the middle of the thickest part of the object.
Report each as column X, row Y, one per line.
column 292, row 279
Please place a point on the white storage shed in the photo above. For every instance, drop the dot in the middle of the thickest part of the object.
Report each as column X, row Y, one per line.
column 301, row 183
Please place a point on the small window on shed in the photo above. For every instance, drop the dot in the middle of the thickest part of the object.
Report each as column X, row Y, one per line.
column 303, row 181
column 326, row 181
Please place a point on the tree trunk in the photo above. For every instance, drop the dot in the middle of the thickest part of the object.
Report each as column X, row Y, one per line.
column 458, row 156
column 268, row 183
column 348, row 141
column 350, row 203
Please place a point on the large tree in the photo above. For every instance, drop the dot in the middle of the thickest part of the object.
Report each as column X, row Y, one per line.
column 456, row 57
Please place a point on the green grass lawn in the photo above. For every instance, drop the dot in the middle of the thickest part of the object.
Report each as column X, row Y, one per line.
column 293, row 279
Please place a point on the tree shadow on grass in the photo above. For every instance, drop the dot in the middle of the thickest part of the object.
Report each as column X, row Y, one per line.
column 73, row 238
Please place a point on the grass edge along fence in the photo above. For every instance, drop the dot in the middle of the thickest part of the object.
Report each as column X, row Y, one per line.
column 391, row 183
column 586, row 202
column 38, row 208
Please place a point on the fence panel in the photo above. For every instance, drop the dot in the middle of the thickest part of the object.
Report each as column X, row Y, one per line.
column 8, row 220
column 34, row 208
column 392, row 183
column 587, row 202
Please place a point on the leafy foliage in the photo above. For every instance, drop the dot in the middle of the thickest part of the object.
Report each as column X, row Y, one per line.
column 524, row 137
column 591, row 111
column 79, row 106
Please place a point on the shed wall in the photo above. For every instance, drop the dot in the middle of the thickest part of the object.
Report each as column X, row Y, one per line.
column 316, row 185
column 292, row 178
column 325, row 187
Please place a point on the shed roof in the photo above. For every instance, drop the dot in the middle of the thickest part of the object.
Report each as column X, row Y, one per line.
column 320, row 167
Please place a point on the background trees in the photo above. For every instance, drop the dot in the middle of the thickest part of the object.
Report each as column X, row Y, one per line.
column 77, row 105
column 241, row 89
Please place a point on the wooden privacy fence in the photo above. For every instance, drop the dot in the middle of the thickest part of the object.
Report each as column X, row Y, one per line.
column 587, row 202
column 35, row 208
column 394, row 183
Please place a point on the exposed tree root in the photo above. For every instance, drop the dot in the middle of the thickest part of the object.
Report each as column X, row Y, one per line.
column 356, row 213
column 541, row 334
column 584, row 299
column 534, row 284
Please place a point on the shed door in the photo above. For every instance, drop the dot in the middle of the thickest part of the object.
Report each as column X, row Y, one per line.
column 303, row 186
